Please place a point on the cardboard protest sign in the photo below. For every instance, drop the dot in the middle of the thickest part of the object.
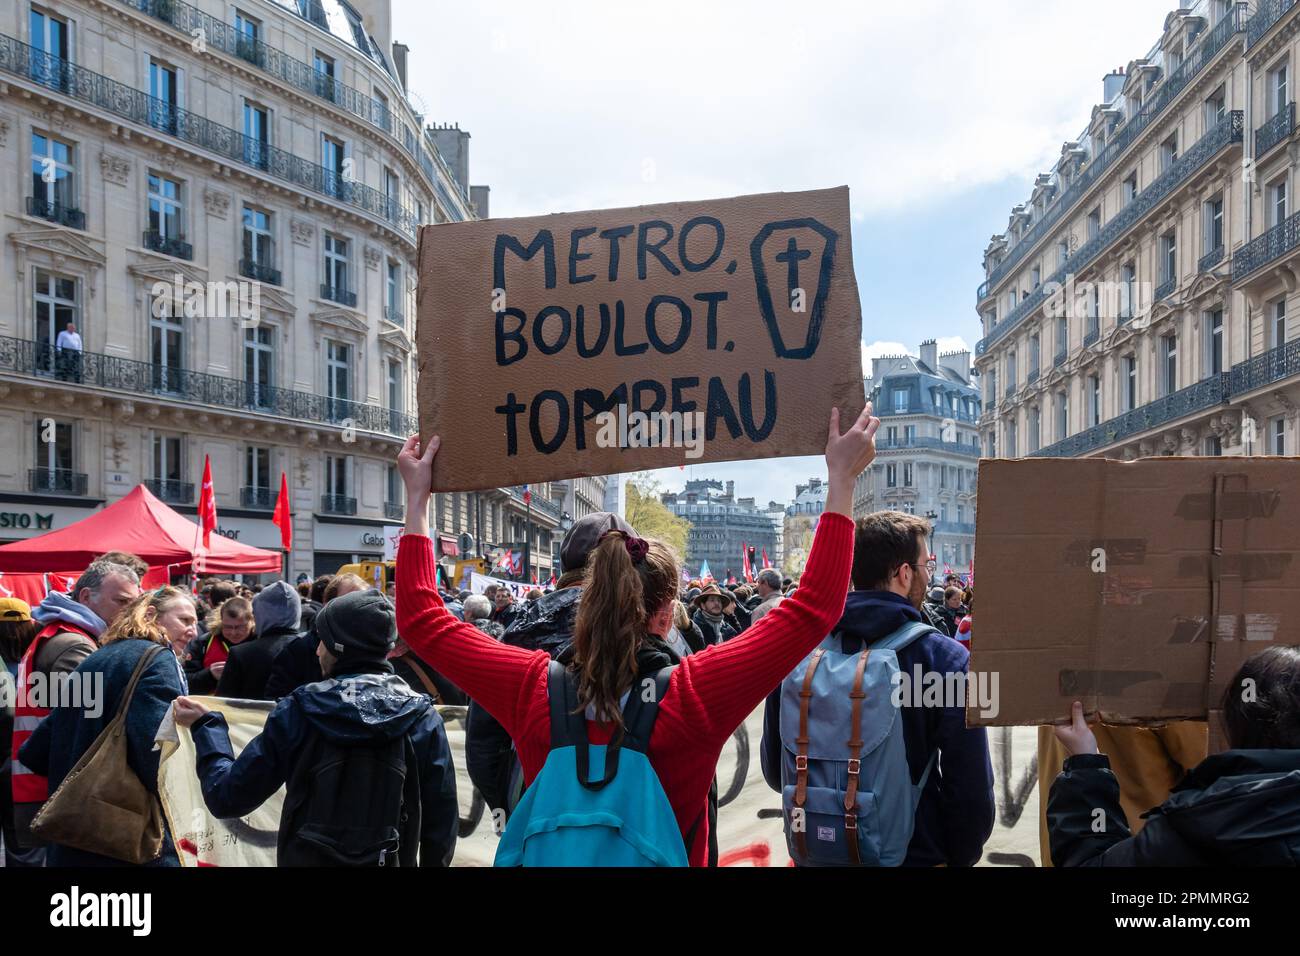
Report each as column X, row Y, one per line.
column 1137, row 587
column 609, row 341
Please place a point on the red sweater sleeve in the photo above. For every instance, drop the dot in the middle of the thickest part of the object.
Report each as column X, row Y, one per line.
column 714, row 690
column 503, row 678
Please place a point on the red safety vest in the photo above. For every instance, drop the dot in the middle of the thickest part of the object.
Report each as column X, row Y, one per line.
column 29, row 787
column 217, row 651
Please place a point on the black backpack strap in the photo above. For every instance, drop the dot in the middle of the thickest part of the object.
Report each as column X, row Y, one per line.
column 639, row 714
column 410, row 824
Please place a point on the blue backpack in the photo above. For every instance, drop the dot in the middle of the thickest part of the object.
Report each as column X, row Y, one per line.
column 848, row 802
column 595, row 804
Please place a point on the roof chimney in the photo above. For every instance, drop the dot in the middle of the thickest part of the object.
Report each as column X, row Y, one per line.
column 1112, row 84
column 399, row 62
column 930, row 355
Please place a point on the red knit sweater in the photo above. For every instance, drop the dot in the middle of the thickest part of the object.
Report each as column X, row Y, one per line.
column 710, row 693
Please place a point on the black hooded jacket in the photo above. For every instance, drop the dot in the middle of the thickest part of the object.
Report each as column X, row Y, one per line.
column 1236, row 808
column 365, row 703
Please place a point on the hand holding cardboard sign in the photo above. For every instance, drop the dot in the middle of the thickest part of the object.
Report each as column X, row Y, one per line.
column 1077, row 738
column 416, row 468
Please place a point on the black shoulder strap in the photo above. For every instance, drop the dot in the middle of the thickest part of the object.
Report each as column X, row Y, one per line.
column 639, row 714
column 411, row 825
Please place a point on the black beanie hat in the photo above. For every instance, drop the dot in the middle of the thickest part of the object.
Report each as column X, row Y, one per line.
column 358, row 626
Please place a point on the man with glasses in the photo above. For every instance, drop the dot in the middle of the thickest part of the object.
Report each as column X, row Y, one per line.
column 891, row 574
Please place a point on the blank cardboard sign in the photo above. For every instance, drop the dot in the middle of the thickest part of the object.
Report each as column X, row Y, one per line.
column 1137, row 587
column 733, row 324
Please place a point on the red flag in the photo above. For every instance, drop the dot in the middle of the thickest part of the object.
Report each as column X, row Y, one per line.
column 207, row 505
column 506, row 561
column 528, row 496
column 534, row 575
column 766, row 564
column 744, row 560
column 281, row 518
column 551, row 583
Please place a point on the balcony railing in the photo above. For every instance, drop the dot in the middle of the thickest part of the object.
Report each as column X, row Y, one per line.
column 339, row 294
column 540, row 502
column 1210, row 259
column 40, row 360
column 1272, row 366
column 395, row 316
column 1058, row 359
column 123, row 101
column 1229, row 130
column 167, row 245
column 1091, row 336
column 171, row 490
column 1266, row 247
column 954, row 527
column 1032, row 377
column 971, row 450
column 1267, row 13
column 259, row 271
column 1204, row 394
column 1121, row 140
column 394, row 510
column 1166, row 288
column 935, row 411
column 56, row 212
column 338, row 505
column 1275, row 131
column 262, row 499
column 55, row 481
column 189, row 20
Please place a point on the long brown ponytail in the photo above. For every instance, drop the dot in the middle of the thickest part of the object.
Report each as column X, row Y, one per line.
column 619, row 596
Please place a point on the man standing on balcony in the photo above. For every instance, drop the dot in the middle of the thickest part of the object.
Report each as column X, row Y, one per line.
column 69, row 353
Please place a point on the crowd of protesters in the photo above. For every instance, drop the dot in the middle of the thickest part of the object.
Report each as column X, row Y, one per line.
column 357, row 673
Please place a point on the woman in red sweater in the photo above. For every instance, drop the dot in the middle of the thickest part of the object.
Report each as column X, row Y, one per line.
column 627, row 605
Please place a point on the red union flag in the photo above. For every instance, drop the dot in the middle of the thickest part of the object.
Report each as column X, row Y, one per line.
column 207, row 505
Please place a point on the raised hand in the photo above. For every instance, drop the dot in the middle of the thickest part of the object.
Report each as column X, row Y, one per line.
column 847, row 456
column 1077, row 736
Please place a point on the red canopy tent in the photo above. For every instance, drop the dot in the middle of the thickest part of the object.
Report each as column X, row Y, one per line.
column 139, row 524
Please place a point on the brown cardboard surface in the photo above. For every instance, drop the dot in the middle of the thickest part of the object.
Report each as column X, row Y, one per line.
column 1201, row 572
column 764, row 374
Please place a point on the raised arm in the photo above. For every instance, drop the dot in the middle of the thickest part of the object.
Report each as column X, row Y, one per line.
column 501, row 677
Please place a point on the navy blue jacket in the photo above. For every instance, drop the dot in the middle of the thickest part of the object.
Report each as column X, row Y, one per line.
column 378, row 707
column 955, row 815
column 59, row 740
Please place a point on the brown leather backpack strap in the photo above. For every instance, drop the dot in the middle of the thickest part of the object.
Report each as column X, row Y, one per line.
column 119, row 719
column 801, row 758
column 855, row 759
column 413, row 663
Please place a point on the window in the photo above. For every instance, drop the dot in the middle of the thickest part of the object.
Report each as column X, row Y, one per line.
column 1127, row 291
column 1094, row 399
column 248, row 33
column 54, row 456
column 1277, row 436
column 337, row 468
column 1277, row 202
column 336, row 264
column 1277, row 87
column 992, row 399
column 331, row 158
column 1062, row 335
column 1169, row 364
column 1062, row 252
column 1062, row 415
column 1011, row 439
column 907, row 474
column 1011, row 369
column 1169, row 152
column 164, row 91
column 166, row 345
column 1094, row 309
column 902, row 398
column 1094, row 223
column 257, row 468
column 259, row 365
column 1168, row 257
column 393, row 293
column 257, row 241
column 392, row 192
column 55, row 305
column 165, row 208
column 992, row 442
column 395, row 402
column 909, row 434
column 1035, row 429
column 324, row 75
column 1213, row 225
column 1034, row 353
column 394, row 486
column 52, row 176
column 1277, row 324
column 1130, row 188
column 383, row 117
column 257, row 135
column 51, row 49
column 167, row 465
column 891, row 476
column 1214, row 342
column 1216, row 107
column 891, row 434
column 338, row 378
column 1129, row 384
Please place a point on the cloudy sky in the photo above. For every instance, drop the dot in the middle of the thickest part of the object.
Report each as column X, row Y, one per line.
column 936, row 115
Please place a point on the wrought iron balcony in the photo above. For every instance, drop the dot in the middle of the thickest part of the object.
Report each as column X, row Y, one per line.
column 1211, row 42
column 1267, row 13
column 292, row 72
column 1278, row 129
column 1228, row 131
column 259, row 271
column 1204, row 394
column 1210, row 259
column 39, row 360
column 56, row 212
column 172, row 491
column 263, row 499
column 395, row 316
column 395, row 510
column 935, row 411
column 540, row 502
column 55, row 481
column 1266, row 247
column 954, row 527
column 338, row 505
column 971, row 450
column 85, row 86
column 167, row 245
column 339, row 294
column 1272, row 366
column 1166, row 288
